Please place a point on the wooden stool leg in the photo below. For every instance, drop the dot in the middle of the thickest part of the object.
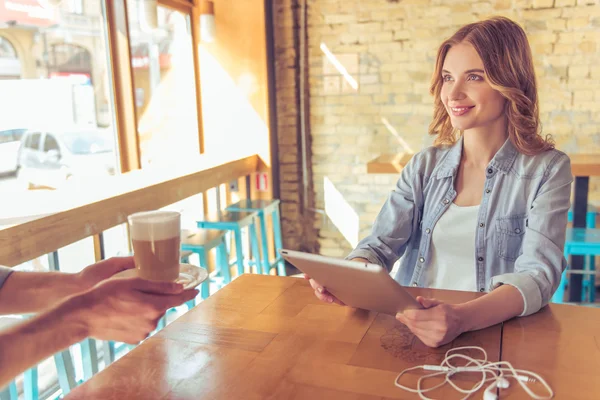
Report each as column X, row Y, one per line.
column 255, row 250
column 266, row 263
column 31, row 388
column 278, row 242
column 66, row 371
column 239, row 253
column 89, row 356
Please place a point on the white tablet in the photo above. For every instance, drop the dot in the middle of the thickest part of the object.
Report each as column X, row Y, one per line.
column 359, row 285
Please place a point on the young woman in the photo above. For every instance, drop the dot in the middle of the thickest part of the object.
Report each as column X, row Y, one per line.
column 485, row 208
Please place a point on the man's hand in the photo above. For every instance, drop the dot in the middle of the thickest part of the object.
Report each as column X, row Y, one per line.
column 439, row 323
column 127, row 310
column 124, row 310
column 96, row 273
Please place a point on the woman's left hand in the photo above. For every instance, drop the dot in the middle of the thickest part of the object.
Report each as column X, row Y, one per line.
column 437, row 324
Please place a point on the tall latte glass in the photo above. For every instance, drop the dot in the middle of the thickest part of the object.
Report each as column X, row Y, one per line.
column 155, row 236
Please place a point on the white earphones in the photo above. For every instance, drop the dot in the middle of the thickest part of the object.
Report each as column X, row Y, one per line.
column 498, row 373
column 490, row 392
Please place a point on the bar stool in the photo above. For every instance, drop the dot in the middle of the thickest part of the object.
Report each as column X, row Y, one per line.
column 264, row 208
column 583, row 242
column 200, row 242
column 235, row 222
column 580, row 242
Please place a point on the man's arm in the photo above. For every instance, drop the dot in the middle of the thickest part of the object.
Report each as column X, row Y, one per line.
column 124, row 310
column 31, row 292
column 28, row 343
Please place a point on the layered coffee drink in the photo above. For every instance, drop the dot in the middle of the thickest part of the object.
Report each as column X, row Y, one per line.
column 156, row 240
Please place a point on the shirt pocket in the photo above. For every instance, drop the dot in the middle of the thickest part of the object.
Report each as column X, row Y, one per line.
column 510, row 232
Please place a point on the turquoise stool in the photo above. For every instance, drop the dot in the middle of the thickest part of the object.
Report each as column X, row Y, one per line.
column 235, row 222
column 582, row 242
column 264, row 208
column 571, row 244
column 201, row 242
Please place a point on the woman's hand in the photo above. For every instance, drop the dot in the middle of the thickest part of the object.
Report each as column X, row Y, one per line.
column 437, row 324
column 322, row 293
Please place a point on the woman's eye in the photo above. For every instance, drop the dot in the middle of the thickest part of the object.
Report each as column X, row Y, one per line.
column 473, row 77
column 446, row 78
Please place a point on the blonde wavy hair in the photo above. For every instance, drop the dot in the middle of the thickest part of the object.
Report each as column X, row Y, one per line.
column 504, row 49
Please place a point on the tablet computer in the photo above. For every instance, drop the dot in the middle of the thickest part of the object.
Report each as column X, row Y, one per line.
column 357, row 284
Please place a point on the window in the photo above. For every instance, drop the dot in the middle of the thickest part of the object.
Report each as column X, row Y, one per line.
column 7, row 50
column 34, row 141
column 66, row 85
column 76, row 6
column 163, row 72
column 10, row 65
column 50, row 143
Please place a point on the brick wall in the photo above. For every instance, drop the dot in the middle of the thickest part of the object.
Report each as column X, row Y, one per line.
column 298, row 231
column 381, row 104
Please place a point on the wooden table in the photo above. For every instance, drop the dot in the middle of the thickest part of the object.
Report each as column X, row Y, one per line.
column 269, row 337
column 562, row 344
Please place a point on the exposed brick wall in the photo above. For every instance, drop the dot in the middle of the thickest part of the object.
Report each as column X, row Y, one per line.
column 297, row 226
column 388, row 48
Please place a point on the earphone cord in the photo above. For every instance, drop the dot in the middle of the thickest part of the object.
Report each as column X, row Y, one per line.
column 498, row 373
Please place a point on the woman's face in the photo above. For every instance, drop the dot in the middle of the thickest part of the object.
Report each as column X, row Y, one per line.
column 468, row 97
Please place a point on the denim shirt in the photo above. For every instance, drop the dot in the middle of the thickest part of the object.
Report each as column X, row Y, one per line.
column 520, row 233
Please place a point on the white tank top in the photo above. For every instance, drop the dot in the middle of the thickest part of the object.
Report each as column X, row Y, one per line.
column 452, row 264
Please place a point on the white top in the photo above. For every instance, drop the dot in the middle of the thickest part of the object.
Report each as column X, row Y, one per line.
column 452, row 264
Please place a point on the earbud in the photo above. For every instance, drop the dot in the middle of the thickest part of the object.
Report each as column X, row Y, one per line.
column 490, row 392
column 502, row 383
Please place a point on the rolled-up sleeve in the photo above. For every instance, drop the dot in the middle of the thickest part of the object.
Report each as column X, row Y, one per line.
column 538, row 270
column 4, row 273
column 394, row 224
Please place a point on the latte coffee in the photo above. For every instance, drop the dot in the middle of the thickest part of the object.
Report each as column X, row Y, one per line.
column 155, row 236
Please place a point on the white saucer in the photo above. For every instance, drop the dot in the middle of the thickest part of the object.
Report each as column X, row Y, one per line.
column 190, row 275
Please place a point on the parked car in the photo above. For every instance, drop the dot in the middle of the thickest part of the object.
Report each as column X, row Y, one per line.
column 51, row 159
column 10, row 140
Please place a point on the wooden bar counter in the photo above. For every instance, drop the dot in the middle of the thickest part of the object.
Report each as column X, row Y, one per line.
column 581, row 164
column 269, row 337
